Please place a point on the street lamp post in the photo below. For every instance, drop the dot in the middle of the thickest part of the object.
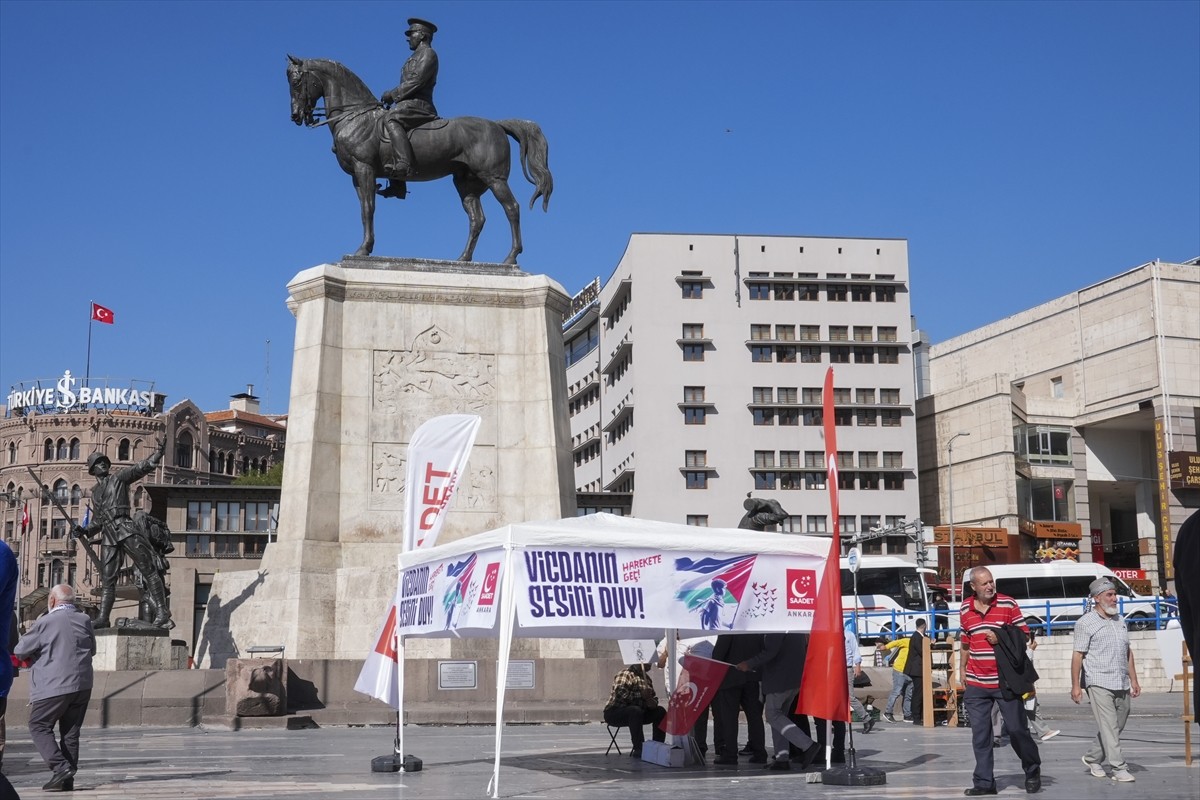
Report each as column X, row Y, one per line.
column 950, row 486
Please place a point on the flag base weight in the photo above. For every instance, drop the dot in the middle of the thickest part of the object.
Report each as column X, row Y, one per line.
column 853, row 776
column 395, row 763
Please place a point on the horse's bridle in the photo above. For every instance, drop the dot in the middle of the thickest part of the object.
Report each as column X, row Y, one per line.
column 312, row 113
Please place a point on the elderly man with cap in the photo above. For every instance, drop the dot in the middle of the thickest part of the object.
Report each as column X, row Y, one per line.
column 111, row 518
column 1104, row 659
column 410, row 104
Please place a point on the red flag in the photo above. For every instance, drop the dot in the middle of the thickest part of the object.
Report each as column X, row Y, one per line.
column 824, row 692
column 102, row 314
column 692, row 696
column 25, row 516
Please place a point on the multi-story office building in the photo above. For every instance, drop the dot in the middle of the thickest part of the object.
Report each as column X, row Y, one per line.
column 695, row 378
column 1074, row 428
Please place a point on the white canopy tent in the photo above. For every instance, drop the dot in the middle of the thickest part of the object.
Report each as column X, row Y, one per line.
column 605, row 577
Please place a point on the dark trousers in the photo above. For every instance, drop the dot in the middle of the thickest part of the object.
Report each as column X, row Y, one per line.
column 725, row 707
column 634, row 718
column 918, row 700
column 978, row 702
column 65, row 711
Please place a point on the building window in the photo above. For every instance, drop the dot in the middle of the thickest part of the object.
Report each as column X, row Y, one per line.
column 1048, row 499
column 864, row 397
column 1044, row 444
column 583, row 344
column 48, row 450
column 789, row 459
column 63, row 452
column 893, row 459
column 836, row 292
column 885, row 294
column 760, row 333
column 229, row 516
column 843, row 417
column 870, row 522
column 809, row 291
column 762, row 394
column 254, row 546
column 197, row 545
column 846, row 480
column 74, row 449
column 788, row 416
column 889, row 397
column 692, row 290
column 839, row 355
column 763, row 416
column 864, row 355
column 123, row 451
column 791, row 481
column 258, row 517
column 889, row 419
column 765, row 480
column 839, row 333
column 785, row 333
column 868, row 480
column 889, row 355
column 893, row 480
column 860, row 293
column 693, row 352
column 814, row 459
column 764, row 458
column 785, row 353
column 817, row 523
column 697, row 520
column 199, row 515
column 759, row 290
column 868, row 459
column 785, row 291
column 761, row 354
column 814, row 480
column 694, row 415
column 227, row 546
column 866, row 417
column 76, row 494
column 787, row 394
column 810, row 333
column 695, row 458
column 12, row 452
column 862, row 333
column 845, row 459
column 183, row 450
column 1056, row 388
column 886, row 333
column 811, row 396
column 696, row 480
column 810, row 354
column 841, row 396
column 814, row 417
column 693, row 330
column 693, row 394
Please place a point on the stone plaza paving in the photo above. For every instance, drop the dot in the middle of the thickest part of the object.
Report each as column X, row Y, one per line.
column 568, row 761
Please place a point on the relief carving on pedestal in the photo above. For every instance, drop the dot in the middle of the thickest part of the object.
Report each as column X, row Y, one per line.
column 433, row 378
column 476, row 491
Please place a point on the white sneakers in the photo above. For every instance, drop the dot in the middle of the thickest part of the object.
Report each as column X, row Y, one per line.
column 1122, row 776
column 1096, row 770
column 1048, row 735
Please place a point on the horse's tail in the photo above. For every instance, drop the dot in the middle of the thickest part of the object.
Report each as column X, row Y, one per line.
column 534, row 157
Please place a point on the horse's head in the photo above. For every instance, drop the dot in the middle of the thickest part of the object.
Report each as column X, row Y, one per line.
column 306, row 88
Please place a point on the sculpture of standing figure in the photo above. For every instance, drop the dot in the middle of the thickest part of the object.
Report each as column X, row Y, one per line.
column 410, row 104
column 120, row 534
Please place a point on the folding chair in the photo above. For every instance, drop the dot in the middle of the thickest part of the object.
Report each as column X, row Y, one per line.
column 612, row 738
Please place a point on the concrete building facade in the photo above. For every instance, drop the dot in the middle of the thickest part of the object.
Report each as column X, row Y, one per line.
column 1077, row 411
column 695, row 378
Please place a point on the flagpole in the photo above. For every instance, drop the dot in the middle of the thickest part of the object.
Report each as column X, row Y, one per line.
column 87, row 370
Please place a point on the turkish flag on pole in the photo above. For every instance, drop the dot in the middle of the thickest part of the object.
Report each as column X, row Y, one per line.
column 25, row 516
column 379, row 671
column 102, row 314
column 824, row 692
column 704, row 677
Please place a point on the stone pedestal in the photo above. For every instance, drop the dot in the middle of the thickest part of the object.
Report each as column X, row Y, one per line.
column 125, row 649
column 255, row 687
column 381, row 346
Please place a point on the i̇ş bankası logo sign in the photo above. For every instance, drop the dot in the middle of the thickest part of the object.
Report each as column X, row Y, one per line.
column 64, row 395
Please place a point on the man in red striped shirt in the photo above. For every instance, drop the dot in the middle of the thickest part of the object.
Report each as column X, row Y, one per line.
column 982, row 615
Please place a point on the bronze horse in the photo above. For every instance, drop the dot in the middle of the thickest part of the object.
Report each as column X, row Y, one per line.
column 474, row 152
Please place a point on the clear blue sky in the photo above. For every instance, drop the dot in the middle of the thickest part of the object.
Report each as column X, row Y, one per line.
column 147, row 160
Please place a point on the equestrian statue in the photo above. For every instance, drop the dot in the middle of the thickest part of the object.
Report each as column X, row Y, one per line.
column 401, row 138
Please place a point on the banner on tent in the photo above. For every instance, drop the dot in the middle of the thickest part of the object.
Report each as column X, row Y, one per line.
column 449, row 594
column 616, row 587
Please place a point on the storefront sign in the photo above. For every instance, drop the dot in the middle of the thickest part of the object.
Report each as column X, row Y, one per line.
column 65, row 395
column 1164, row 504
column 1130, row 574
column 1051, row 530
column 969, row 537
column 1184, row 470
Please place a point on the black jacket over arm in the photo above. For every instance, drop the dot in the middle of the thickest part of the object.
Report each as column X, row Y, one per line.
column 1017, row 674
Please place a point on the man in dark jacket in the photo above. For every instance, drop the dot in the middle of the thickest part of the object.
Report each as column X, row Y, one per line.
column 60, row 645
column 914, row 668
column 782, row 663
column 739, row 690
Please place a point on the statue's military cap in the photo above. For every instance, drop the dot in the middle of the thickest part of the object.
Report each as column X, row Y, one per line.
column 95, row 458
column 415, row 24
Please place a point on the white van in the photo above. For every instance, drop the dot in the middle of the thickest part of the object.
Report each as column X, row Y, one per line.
column 1057, row 592
column 892, row 593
